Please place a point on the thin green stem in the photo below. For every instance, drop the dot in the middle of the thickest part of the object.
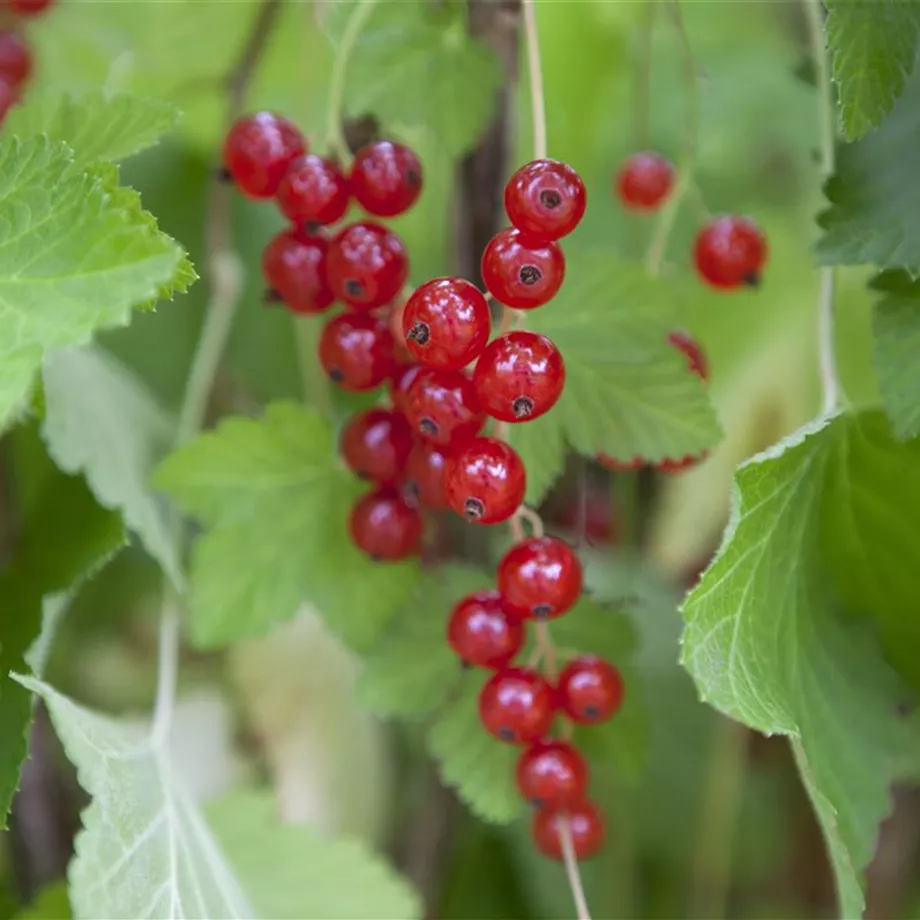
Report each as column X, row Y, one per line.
column 643, row 84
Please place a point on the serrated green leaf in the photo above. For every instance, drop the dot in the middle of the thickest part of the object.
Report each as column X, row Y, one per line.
column 277, row 499
column 874, row 46
column 627, row 392
column 52, row 903
column 291, row 871
column 764, row 637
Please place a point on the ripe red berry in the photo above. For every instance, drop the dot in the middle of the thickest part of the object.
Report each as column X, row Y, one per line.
column 545, row 199
column 30, row 7
column 590, row 690
column 552, row 774
column 441, row 406
column 540, row 578
column 368, row 265
column 517, row 705
column 519, row 376
column 313, row 191
column 586, row 829
column 481, row 633
column 376, row 444
column 696, row 357
column 485, row 481
column 384, row 526
column 423, row 477
column 645, row 181
column 294, row 267
column 356, row 351
column 730, row 251
column 15, row 59
column 520, row 272
column 258, row 150
column 386, row 178
column 616, row 465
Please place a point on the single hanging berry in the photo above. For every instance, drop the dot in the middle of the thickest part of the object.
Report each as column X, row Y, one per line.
column 552, row 774
column 485, row 481
column 586, row 828
column 517, row 705
column 423, row 477
column 258, row 150
column 519, row 376
column 645, row 180
column 376, row 443
column 384, row 526
column 731, row 251
column 442, row 406
column 367, row 265
column 386, row 178
column 540, row 578
column 481, row 633
column 590, row 690
column 15, row 59
column 356, row 351
column 294, row 268
column 545, row 199
column 520, row 272
column 313, row 191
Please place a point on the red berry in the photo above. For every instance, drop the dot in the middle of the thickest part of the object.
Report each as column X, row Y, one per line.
column 399, row 385
column 552, row 774
column 520, row 272
column 540, row 578
column 485, row 481
column 590, row 690
column 481, row 633
column 423, row 477
column 645, row 181
column 696, row 357
column 386, row 178
column 30, row 7
column 517, row 705
column 368, row 265
column 313, row 191
column 730, row 251
column 384, row 526
column 519, row 376
column 258, row 150
column 294, row 267
column 446, row 323
column 680, row 465
column 616, row 465
column 545, row 199
column 441, row 406
column 376, row 444
column 356, row 351
column 586, row 829
column 15, row 59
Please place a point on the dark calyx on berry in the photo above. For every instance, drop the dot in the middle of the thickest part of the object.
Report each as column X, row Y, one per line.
column 419, row 333
column 522, row 407
column 530, row 274
column 540, row 577
column 474, row 509
column 545, row 199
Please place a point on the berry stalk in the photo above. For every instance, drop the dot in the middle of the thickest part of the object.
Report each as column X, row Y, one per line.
column 535, row 76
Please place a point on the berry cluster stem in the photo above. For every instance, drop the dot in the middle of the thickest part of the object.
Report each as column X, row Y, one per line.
column 535, row 76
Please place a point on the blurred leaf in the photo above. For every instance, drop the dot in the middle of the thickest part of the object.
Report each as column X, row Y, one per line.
column 51, row 903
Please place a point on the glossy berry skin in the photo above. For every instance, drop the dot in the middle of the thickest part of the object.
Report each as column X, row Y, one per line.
column 519, row 376
column 294, row 268
column 313, row 191
column 258, row 150
column 730, row 251
column 386, row 178
column 586, row 828
column 590, row 690
column 540, row 578
column 552, row 774
column 545, row 199
column 485, row 481
column 384, row 526
column 615, row 465
column 442, row 406
column 368, row 265
column 400, row 383
column 356, row 351
column 517, row 705
column 30, row 7
column 376, row 443
column 520, row 272
column 15, row 59
column 481, row 633
column 696, row 357
column 645, row 180
column 423, row 477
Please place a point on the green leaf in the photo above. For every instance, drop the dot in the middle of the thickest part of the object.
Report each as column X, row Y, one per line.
column 874, row 46
column 627, row 391
column 52, row 903
column 277, row 499
column 102, row 421
column 825, row 518
column 291, row 871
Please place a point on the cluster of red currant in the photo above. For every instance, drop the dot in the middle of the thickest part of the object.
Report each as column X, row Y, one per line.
column 15, row 54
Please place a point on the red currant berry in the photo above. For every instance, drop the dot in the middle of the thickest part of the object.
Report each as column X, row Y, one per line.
column 586, row 828
column 446, row 323
column 384, row 526
column 356, row 351
column 552, row 774
column 731, row 251
column 386, row 178
column 545, row 199
column 590, row 690
column 294, row 267
column 519, row 376
column 540, row 578
column 30, row 7
column 423, row 477
column 15, row 59
column 400, row 383
column 517, row 705
column 616, row 465
column 645, row 181
column 441, row 406
column 481, row 633
column 368, row 265
column 520, row 272
column 485, row 481
column 680, row 465
column 696, row 357
column 313, row 191
column 376, row 444
column 258, row 150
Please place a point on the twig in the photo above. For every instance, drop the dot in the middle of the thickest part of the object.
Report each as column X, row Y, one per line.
column 535, row 75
